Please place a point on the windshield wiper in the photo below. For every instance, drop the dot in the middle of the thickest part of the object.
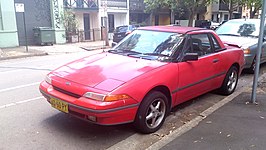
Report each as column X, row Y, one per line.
column 155, row 54
column 124, row 52
column 229, row 34
column 128, row 51
column 253, row 36
column 113, row 51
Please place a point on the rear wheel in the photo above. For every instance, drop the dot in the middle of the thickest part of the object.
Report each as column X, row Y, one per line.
column 230, row 81
column 152, row 112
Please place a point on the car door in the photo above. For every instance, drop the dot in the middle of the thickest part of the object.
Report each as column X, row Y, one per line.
column 197, row 77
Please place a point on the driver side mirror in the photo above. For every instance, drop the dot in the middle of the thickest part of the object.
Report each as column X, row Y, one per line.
column 191, row 57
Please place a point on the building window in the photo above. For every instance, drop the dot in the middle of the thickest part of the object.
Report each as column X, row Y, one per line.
column 225, row 17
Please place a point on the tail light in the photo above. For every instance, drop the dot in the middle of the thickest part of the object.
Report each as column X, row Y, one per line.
column 128, row 32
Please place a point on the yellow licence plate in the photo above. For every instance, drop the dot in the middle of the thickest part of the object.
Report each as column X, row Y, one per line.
column 60, row 105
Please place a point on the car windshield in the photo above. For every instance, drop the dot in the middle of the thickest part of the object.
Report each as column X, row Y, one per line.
column 153, row 43
column 240, row 28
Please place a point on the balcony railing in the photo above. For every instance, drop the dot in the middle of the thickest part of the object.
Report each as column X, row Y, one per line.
column 224, row 7
column 81, row 4
column 114, row 3
column 136, row 6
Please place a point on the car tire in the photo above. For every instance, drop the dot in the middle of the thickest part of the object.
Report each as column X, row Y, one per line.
column 230, row 81
column 151, row 113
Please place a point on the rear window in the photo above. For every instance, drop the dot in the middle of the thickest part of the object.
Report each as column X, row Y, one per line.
column 121, row 29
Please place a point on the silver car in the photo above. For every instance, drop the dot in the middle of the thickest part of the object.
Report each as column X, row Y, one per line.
column 244, row 33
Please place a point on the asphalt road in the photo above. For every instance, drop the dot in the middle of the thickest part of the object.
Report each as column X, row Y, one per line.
column 27, row 121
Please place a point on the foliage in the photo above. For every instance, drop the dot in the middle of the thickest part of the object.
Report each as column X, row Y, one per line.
column 233, row 5
column 69, row 21
column 177, row 5
column 255, row 4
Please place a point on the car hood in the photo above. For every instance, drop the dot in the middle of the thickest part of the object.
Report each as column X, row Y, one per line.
column 105, row 71
column 243, row 42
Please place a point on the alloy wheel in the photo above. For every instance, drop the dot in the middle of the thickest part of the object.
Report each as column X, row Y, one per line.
column 155, row 113
column 232, row 81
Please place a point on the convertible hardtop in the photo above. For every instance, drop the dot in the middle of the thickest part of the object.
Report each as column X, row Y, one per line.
column 177, row 29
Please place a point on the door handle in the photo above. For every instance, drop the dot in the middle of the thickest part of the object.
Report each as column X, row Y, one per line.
column 215, row 60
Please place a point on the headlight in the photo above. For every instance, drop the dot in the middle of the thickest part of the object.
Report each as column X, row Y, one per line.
column 106, row 98
column 247, row 51
column 48, row 79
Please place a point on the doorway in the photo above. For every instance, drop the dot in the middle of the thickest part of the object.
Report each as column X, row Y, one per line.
column 86, row 18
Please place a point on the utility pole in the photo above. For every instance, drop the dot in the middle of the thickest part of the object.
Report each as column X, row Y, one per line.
column 257, row 68
column 20, row 9
column 106, row 23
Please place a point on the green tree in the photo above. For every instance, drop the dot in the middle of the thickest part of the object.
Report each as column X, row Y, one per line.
column 254, row 6
column 69, row 21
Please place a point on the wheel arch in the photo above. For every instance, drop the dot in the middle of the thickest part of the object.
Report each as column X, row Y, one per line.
column 237, row 66
column 165, row 90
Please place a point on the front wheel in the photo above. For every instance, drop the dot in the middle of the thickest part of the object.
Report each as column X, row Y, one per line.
column 230, row 81
column 151, row 113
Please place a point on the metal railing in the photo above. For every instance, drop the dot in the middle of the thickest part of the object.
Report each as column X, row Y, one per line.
column 114, row 3
column 223, row 6
column 87, row 35
column 83, row 4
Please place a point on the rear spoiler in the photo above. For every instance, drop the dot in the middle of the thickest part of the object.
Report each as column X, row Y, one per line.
column 232, row 44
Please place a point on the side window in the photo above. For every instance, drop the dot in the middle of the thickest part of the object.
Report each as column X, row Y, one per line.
column 215, row 43
column 201, row 44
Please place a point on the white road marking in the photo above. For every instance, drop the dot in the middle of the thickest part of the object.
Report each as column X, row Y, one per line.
column 21, row 102
column 17, row 87
column 22, row 68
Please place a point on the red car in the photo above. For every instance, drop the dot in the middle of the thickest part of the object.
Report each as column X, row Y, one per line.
column 144, row 76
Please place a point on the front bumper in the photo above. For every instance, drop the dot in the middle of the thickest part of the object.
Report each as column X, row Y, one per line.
column 248, row 60
column 105, row 113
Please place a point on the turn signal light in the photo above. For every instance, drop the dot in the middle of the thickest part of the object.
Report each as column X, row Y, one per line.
column 105, row 98
column 110, row 98
column 247, row 51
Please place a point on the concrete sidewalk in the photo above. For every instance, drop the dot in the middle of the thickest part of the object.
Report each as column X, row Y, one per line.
column 236, row 125
column 20, row 52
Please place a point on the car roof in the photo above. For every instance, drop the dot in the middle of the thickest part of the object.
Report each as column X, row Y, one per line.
column 246, row 20
column 177, row 29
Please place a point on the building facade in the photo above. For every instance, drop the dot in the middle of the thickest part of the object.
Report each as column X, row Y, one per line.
column 8, row 27
column 87, row 14
column 17, row 26
column 93, row 15
column 137, row 13
column 218, row 11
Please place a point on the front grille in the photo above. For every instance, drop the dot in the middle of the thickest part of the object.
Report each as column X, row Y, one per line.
column 66, row 92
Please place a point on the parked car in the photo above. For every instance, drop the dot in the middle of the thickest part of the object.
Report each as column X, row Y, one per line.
column 214, row 25
column 144, row 76
column 244, row 33
column 121, row 32
column 203, row 24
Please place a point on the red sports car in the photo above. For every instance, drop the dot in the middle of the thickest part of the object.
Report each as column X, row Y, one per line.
column 139, row 80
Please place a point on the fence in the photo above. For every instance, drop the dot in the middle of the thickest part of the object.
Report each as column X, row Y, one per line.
column 85, row 35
